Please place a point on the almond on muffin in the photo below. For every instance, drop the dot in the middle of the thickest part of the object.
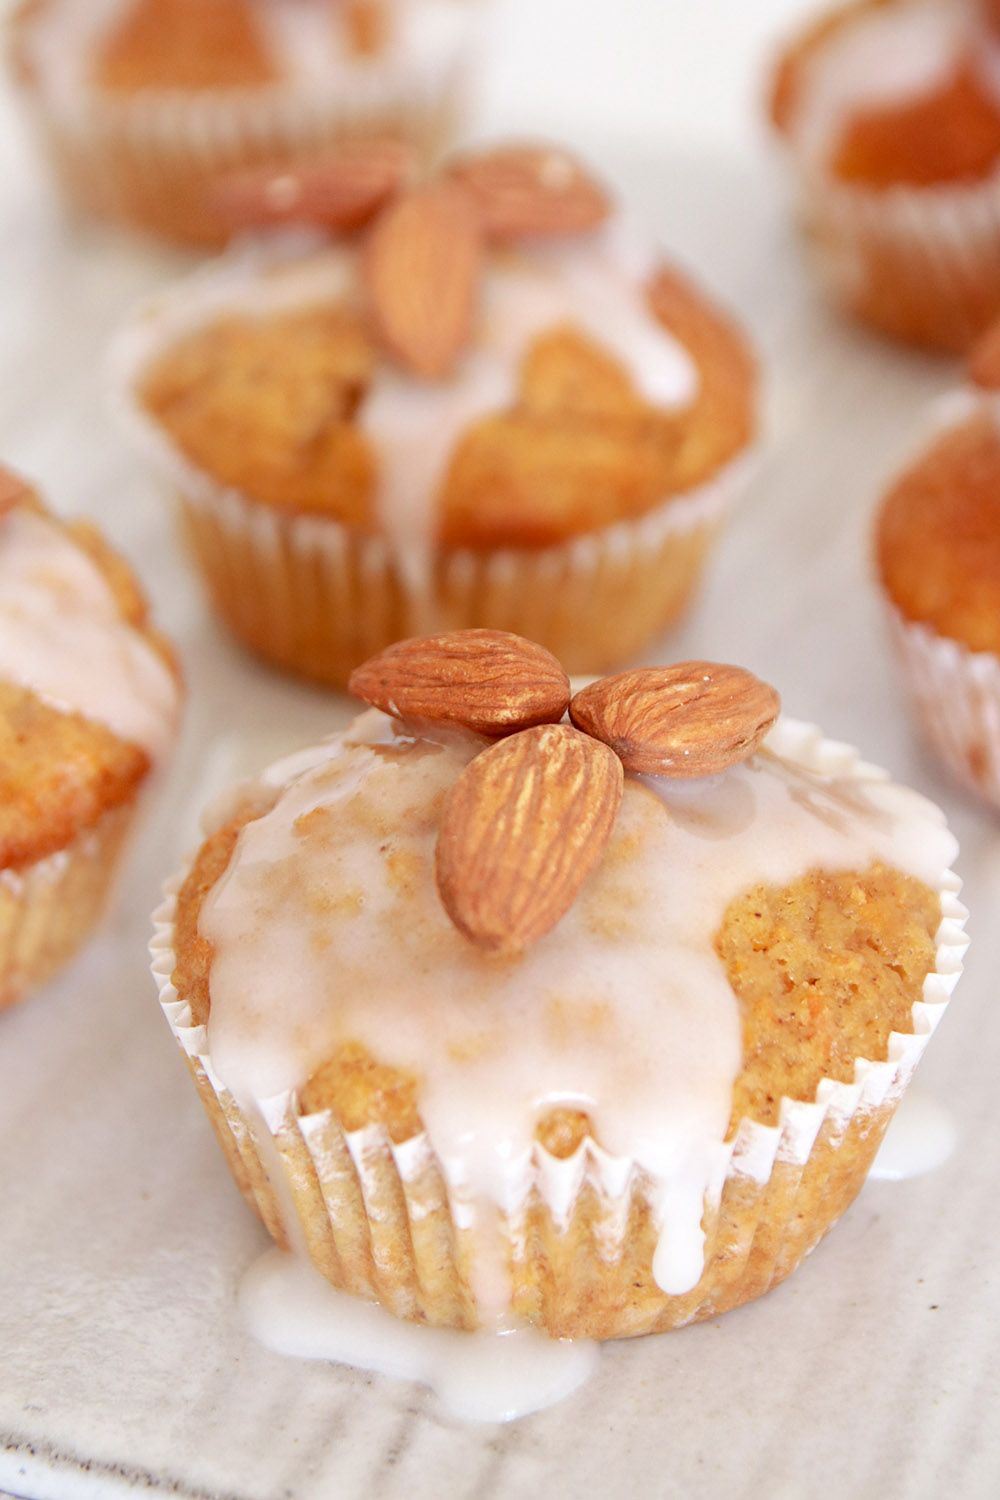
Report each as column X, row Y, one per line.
column 497, row 406
column 493, row 1028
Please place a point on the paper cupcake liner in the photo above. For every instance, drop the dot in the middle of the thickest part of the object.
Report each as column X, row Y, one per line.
column 316, row 597
column 50, row 907
column 575, row 1236
column 956, row 695
column 151, row 160
column 920, row 264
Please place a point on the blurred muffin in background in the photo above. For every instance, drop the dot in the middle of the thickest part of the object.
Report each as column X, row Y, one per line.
column 142, row 104
column 498, row 406
column 89, row 702
column 938, row 552
column 890, row 110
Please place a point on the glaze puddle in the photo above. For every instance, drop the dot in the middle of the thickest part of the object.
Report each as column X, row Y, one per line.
column 479, row 1377
column 921, row 1138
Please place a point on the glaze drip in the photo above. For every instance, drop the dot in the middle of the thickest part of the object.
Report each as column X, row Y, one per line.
column 624, row 1011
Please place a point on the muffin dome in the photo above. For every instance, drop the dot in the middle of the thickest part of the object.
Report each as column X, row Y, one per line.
column 144, row 106
column 938, row 538
column 596, row 385
column 497, row 405
column 896, row 92
column 937, row 548
column 582, row 1127
column 890, row 110
column 89, row 697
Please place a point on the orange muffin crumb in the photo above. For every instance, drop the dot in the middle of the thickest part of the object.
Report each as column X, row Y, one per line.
column 949, row 136
column 59, row 772
column 185, row 44
column 265, row 405
column 824, row 970
column 268, row 405
column 938, row 537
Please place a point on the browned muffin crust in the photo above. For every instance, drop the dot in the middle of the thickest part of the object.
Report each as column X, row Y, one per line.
column 267, row 406
column 185, row 44
column 824, row 970
column 949, row 135
column 938, row 537
column 59, row 772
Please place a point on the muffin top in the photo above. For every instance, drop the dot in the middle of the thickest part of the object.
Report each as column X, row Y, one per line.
column 374, row 925
column 89, row 693
column 938, row 530
column 896, row 92
column 440, row 378
column 127, row 47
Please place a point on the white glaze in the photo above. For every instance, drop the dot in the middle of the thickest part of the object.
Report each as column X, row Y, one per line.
column 479, row 1377
column 888, row 57
column 597, row 284
column 62, row 636
column 921, row 1138
column 425, row 46
column 624, row 1010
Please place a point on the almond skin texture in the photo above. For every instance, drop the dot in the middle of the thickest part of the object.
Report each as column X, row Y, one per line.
column 525, row 190
column 422, row 270
column 341, row 190
column 692, row 719
column 484, row 680
column 523, row 827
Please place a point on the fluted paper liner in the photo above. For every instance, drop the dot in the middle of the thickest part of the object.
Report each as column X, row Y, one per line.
column 152, row 158
column 577, row 1236
column 49, row 908
column 956, row 695
column 920, row 263
column 318, row 598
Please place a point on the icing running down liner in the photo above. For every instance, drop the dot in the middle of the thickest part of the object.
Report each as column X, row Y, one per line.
column 661, row 1137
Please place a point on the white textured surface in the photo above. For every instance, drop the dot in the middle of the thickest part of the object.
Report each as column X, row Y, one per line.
column 122, row 1364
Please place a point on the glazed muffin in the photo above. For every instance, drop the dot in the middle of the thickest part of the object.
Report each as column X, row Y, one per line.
column 890, row 110
column 938, row 556
column 142, row 105
column 593, row 1025
column 89, row 701
column 498, row 406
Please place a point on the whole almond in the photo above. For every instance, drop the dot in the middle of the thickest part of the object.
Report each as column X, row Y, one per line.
column 341, row 189
column 485, row 680
column 524, row 190
column 422, row 269
column 524, row 825
column 692, row 719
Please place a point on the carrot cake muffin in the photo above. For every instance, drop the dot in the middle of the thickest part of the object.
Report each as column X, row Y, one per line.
column 588, row 1012
column 143, row 104
column 938, row 555
column 891, row 113
column 499, row 406
column 89, row 699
